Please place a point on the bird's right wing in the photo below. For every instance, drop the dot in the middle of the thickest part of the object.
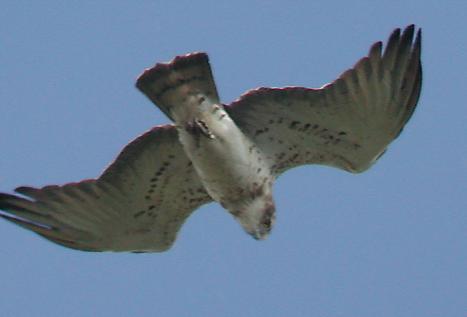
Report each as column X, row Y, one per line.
column 138, row 204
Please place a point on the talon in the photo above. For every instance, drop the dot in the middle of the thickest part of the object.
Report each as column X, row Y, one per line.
column 198, row 127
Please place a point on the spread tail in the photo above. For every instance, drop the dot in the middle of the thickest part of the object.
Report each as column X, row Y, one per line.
column 171, row 85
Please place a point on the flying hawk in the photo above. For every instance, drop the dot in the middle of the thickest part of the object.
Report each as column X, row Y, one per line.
column 230, row 154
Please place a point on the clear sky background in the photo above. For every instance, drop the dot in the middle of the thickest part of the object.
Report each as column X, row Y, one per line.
column 389, row 242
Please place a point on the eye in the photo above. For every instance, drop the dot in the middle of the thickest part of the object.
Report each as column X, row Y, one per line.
column 267, row 223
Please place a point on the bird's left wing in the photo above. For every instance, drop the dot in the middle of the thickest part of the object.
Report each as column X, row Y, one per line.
column 346, row 124
column 138, row 204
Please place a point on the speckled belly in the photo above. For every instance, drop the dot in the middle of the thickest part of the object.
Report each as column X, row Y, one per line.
column 228, row 163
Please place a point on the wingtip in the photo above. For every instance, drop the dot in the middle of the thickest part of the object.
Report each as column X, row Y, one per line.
column 418, row 39
column 409, row 28
column 25, row 190
column 409, row 31
column 375, row 50
column 5, row 201
column 395, row 34
column 407, row 34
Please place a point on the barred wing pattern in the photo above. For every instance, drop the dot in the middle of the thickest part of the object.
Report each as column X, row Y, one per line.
column 142, row 199
column 138, row 204
column 346, row 124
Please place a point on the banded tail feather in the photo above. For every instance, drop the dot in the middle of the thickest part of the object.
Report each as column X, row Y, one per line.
column 171, row 85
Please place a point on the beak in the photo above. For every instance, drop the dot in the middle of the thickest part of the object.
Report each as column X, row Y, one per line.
column 258, row 236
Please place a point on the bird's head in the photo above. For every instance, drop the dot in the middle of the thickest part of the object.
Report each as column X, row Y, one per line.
column 257, row 217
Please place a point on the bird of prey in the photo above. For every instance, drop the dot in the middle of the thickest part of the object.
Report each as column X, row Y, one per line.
column 230, row 154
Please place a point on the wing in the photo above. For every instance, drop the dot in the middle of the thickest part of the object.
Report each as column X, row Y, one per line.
column 346, row 124
column 138, row 204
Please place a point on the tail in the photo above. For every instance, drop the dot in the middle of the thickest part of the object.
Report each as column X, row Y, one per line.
column 169, row 85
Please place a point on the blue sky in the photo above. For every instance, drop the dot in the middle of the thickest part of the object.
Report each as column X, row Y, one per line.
column 389, row 242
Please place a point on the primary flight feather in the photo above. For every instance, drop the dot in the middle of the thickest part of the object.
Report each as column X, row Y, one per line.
column 230, row 154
